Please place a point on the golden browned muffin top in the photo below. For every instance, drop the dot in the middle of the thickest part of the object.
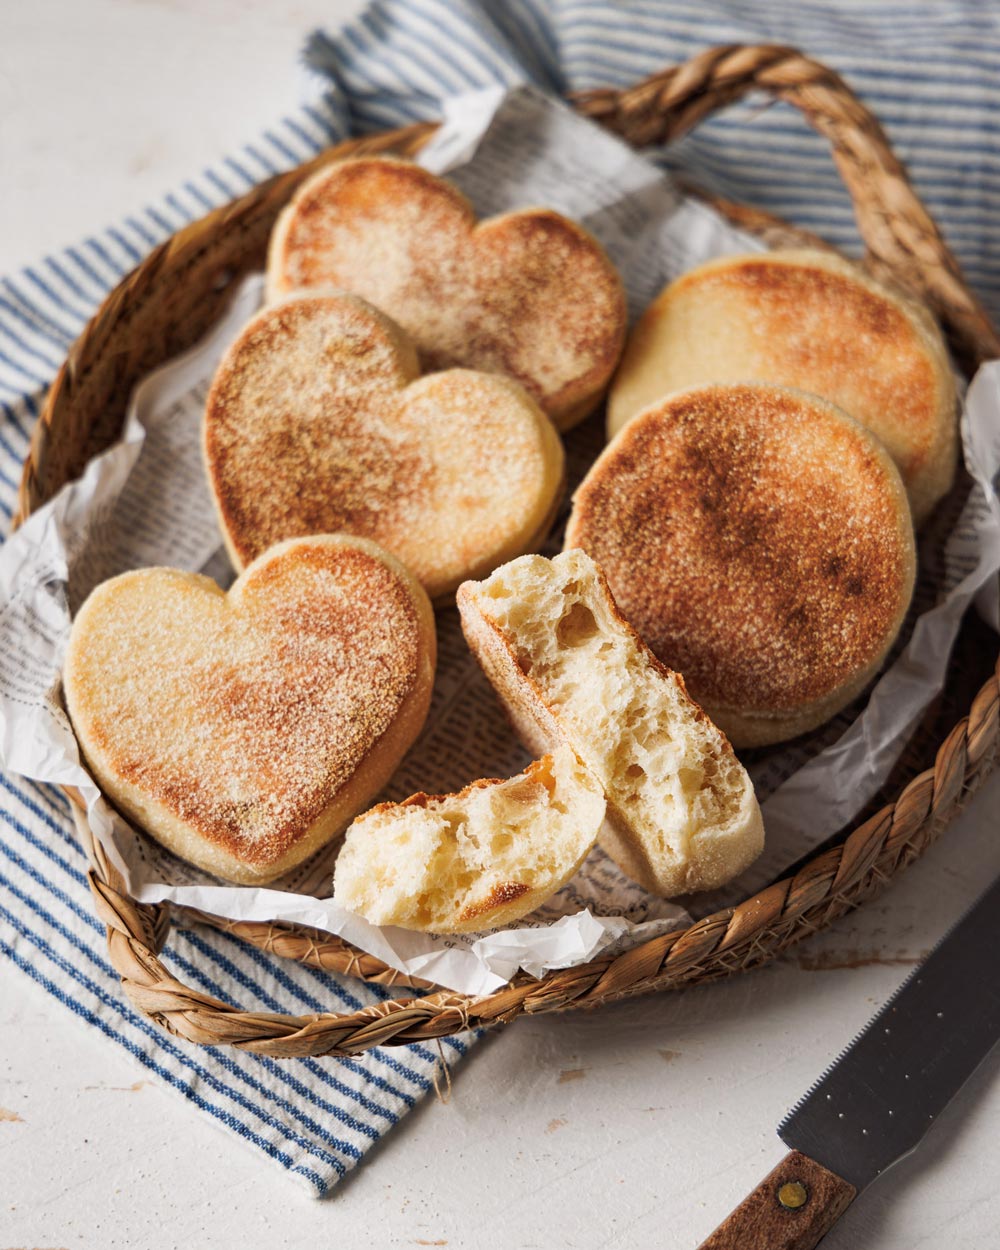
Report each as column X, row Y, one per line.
column 758, row 539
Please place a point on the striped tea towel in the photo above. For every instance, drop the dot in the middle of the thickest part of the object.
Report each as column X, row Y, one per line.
column 316, row 1119
column 929, row 70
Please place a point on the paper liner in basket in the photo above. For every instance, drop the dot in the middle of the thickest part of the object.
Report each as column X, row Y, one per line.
column 146, row 502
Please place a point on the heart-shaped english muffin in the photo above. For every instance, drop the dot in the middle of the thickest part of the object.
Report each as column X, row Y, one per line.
column 317, row 422
column 244, row 730
column 529, row 293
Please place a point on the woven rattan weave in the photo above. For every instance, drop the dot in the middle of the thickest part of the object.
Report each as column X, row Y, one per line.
column 169, row 301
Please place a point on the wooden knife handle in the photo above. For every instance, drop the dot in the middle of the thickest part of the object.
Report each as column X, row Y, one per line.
column 791, row 1209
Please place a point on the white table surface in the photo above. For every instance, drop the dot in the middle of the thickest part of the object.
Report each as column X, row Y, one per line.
column 639, row 1125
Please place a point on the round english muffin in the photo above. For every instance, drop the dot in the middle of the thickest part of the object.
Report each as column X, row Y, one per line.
column 759, row 539
column 812, row 320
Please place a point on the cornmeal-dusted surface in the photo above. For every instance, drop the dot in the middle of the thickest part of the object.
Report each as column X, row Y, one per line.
column 811, row 320
column 529, row 294
column 760, row 542
column 317, row 422
column 244, row 730
column 478, row 859
column 682, row 814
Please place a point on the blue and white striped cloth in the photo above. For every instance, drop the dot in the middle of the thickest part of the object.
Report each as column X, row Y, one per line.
column 316, row 1119
column 930, row 70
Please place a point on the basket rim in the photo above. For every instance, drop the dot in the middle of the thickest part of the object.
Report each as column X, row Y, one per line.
column 830, row 881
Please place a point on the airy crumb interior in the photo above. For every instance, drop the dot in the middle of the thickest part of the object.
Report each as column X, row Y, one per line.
column 665, row 767
column 468, row 860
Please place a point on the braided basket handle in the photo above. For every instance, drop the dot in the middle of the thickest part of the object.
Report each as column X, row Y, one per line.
column 902, row 240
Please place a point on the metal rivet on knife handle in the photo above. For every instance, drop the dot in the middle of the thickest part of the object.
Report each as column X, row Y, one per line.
column 793, row 1194
column 791, row 1209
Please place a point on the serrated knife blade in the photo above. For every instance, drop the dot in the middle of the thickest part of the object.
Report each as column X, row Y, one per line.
column 876, row 1101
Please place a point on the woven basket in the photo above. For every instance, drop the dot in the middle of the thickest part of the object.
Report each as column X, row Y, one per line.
column 170, row 300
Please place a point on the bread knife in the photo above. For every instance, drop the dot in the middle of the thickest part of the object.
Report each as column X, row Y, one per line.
column 874, row 1104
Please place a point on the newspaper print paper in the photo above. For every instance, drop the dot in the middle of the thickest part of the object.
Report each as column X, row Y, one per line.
column 146, row 502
